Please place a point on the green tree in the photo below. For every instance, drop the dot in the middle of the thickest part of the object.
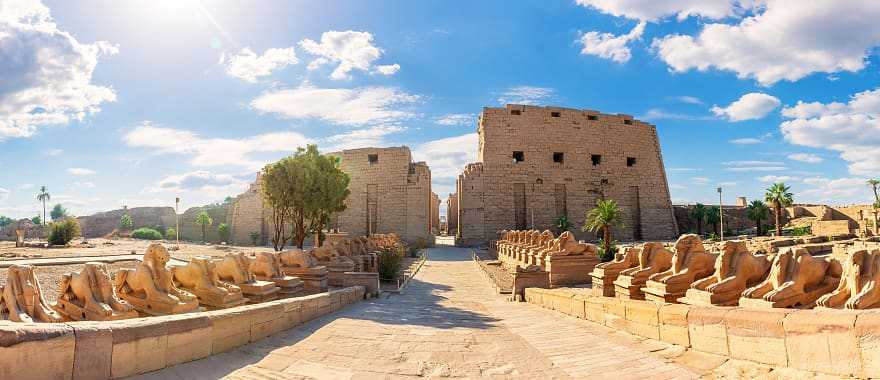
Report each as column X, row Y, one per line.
column 874, row 183
column 44, row 197
column 204, row 220
column 58, row 212
column 61, row 232
column 126, row 223
column 277, row 184
column 778, row 196
column 604, row 216
column 37, row 220
column 562, row 224
column 698, row 213
column 255, row 237
column 757, row 211
column 713, row 217
column 223, row 231
column 170, row 233
column 5, row 221
column 325, row 193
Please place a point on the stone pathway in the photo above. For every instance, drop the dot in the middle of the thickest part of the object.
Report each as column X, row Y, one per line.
column 446, row 323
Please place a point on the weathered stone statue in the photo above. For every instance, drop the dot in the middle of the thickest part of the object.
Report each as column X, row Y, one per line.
column 569, row 261
column 235, row 269
column 89, row 296
column 690, row 263
column 543, row 243
column 859, row 286
column 149, row 286
column 200, row 278
column 735, row 270
column 604, row 274
column 267, row 267
column 796, row 279
column 22, row 299
column 301, row 264
column 653, row 258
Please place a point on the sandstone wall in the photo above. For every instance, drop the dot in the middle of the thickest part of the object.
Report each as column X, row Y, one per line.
column 189, row 230
column 735, row 219
column 103, row 223
column 435, row 214
column 831, row 342
column 247, row 215
column 452, row 214
column 117, row 349
column 557, row 174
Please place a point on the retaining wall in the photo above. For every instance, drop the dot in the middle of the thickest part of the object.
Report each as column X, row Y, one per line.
column 116, row 349
column 834, row 342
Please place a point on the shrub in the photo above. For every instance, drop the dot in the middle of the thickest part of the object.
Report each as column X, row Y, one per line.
column 255, row 237
column 799, row 231
column 223, row 231
column 146, row 233
column 125, row 222
column 607, row 256
column 170, row 234
column 390, row 263
column 63, row 231
column 562, row 224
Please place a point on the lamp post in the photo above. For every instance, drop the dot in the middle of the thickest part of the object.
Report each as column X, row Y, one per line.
column 721, row 213
column 177, row 221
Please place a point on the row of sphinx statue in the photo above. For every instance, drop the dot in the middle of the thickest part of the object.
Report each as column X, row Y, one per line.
column 790, row 278
column 153, row 287
column 527, row 248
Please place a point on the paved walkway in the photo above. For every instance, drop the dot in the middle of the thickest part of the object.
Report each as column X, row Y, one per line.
column 446, row 323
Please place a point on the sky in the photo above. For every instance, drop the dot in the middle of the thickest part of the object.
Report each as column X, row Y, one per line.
column 134, row 103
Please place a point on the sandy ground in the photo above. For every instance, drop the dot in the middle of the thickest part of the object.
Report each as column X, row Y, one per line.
column 50, row 276
column 120, row 246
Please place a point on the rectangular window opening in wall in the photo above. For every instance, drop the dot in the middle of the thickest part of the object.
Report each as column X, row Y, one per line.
column 558, row 157
column 630, row 161
column 555, row 114
column 518, row 156
column 596, row 159
column 373, row 158
column 592, row 117
column 515, row 112
column 627, row 121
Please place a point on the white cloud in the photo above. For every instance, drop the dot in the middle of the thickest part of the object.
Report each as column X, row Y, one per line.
column 839, row 190
column 853, row 129
column 746, row 141
column 609, row 46
column 200, row 180
column 81, row 172
column 683, row 169
column 776, row 178
column 26, row 186
column 447, row 157
column 754, row 166
column 527, row 95
column 366, row 105
column 83, row 185
column 206, row 152
column 805, row 157
column 456, row 119
column 784, row 40
column 4, row 194
column 674, row 186
column 46, row 72
column 653, row 10
column 350, row 49
column 660, row 114
column 362, row 138
column 700, row 180
column 750, row 106
column 55, row 152
column 688, row 99
column 250, row 66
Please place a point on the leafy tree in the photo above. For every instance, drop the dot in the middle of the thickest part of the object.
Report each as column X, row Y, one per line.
column 126, row 223
column 778, row 196
column 562, row 224
column 757, row 211
column 325, row 193
column 255, row 237
column 63, row 231
column 5, row 221
column 874, row 183
column 170, row 233
column 713, row 217
column 223, row 231
column 146, row 233
column 44, row 197
column 58, row 212
column 277, row 184
column 204, row 220
column 37, row 220
column 604, row 216
column 228, row 200
column 699, row 214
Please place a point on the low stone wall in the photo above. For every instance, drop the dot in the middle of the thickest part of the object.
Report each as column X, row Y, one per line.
column 833, row 342
column 116, row 349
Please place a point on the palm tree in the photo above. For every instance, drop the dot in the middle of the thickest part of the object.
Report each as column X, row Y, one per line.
column 204, row 220
column 699, row 213
column 44, row 197
column 874, row 183
column 778, row 196
column 757, row 211
column 713, row 217
column 605, row 215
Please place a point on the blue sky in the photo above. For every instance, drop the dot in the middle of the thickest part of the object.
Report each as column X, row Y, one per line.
column 134, row 104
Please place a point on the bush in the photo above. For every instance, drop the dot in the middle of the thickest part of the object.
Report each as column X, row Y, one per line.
column 390, row 263
column 146, row 234
column 562, row 224
column 255, row 238
column 799, row 231
column 607, row 256
column 170, row 234
column 62, row 232
column 223, row 232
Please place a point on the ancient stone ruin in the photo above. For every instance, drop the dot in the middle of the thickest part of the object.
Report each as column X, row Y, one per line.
column 653, row 258
column 90, row 295
column 690, row 263
column 235, row 269
column 566, row 260
column 150, row 287
column 267, row 267
column 200, row 277
column 21, row 299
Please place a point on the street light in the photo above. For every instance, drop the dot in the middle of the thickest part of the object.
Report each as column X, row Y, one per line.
column 721, row 213
column 177, row 220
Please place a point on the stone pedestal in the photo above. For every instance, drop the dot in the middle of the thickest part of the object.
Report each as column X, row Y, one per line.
column 570, row 269
column 603, row 281
column 629, row 287
column 369, row 280
column 660, row 292
column 147, row 307
column 78, row 313
column 523, row 280
column 336, row 273
column 704, row 298
column 288, row 285
column 259, row 291
column 805, row 300
column 217, row 300
column 314, row 279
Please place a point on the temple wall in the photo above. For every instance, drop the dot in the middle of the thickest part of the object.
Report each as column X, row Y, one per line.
column 452, row 214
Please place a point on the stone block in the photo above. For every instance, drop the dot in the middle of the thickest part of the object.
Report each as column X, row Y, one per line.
column 230, row 328
column 577, row 306
column 36, row 350
column 866, row 329
column 186, row 336
column 673, row 324
column 369, row 280
column 594, row 309
column 266, row 320
column 642, row 319
column 562, row 301
column 823, row 341
column 707, row 330
column 757, row 335
column 310, row 307
column 138, row 346
column 94, row 350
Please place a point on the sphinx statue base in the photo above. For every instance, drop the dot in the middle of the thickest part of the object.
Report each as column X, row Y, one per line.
column 151, row 307
column 259, row 291
column 570, row 269
column 704, row 298
column 288, row 285
column 603, row 281
column 660, row 292
column 89, row 296
column 314, row 279
column 75, row 312
column 805, row 300
column 629, row 288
